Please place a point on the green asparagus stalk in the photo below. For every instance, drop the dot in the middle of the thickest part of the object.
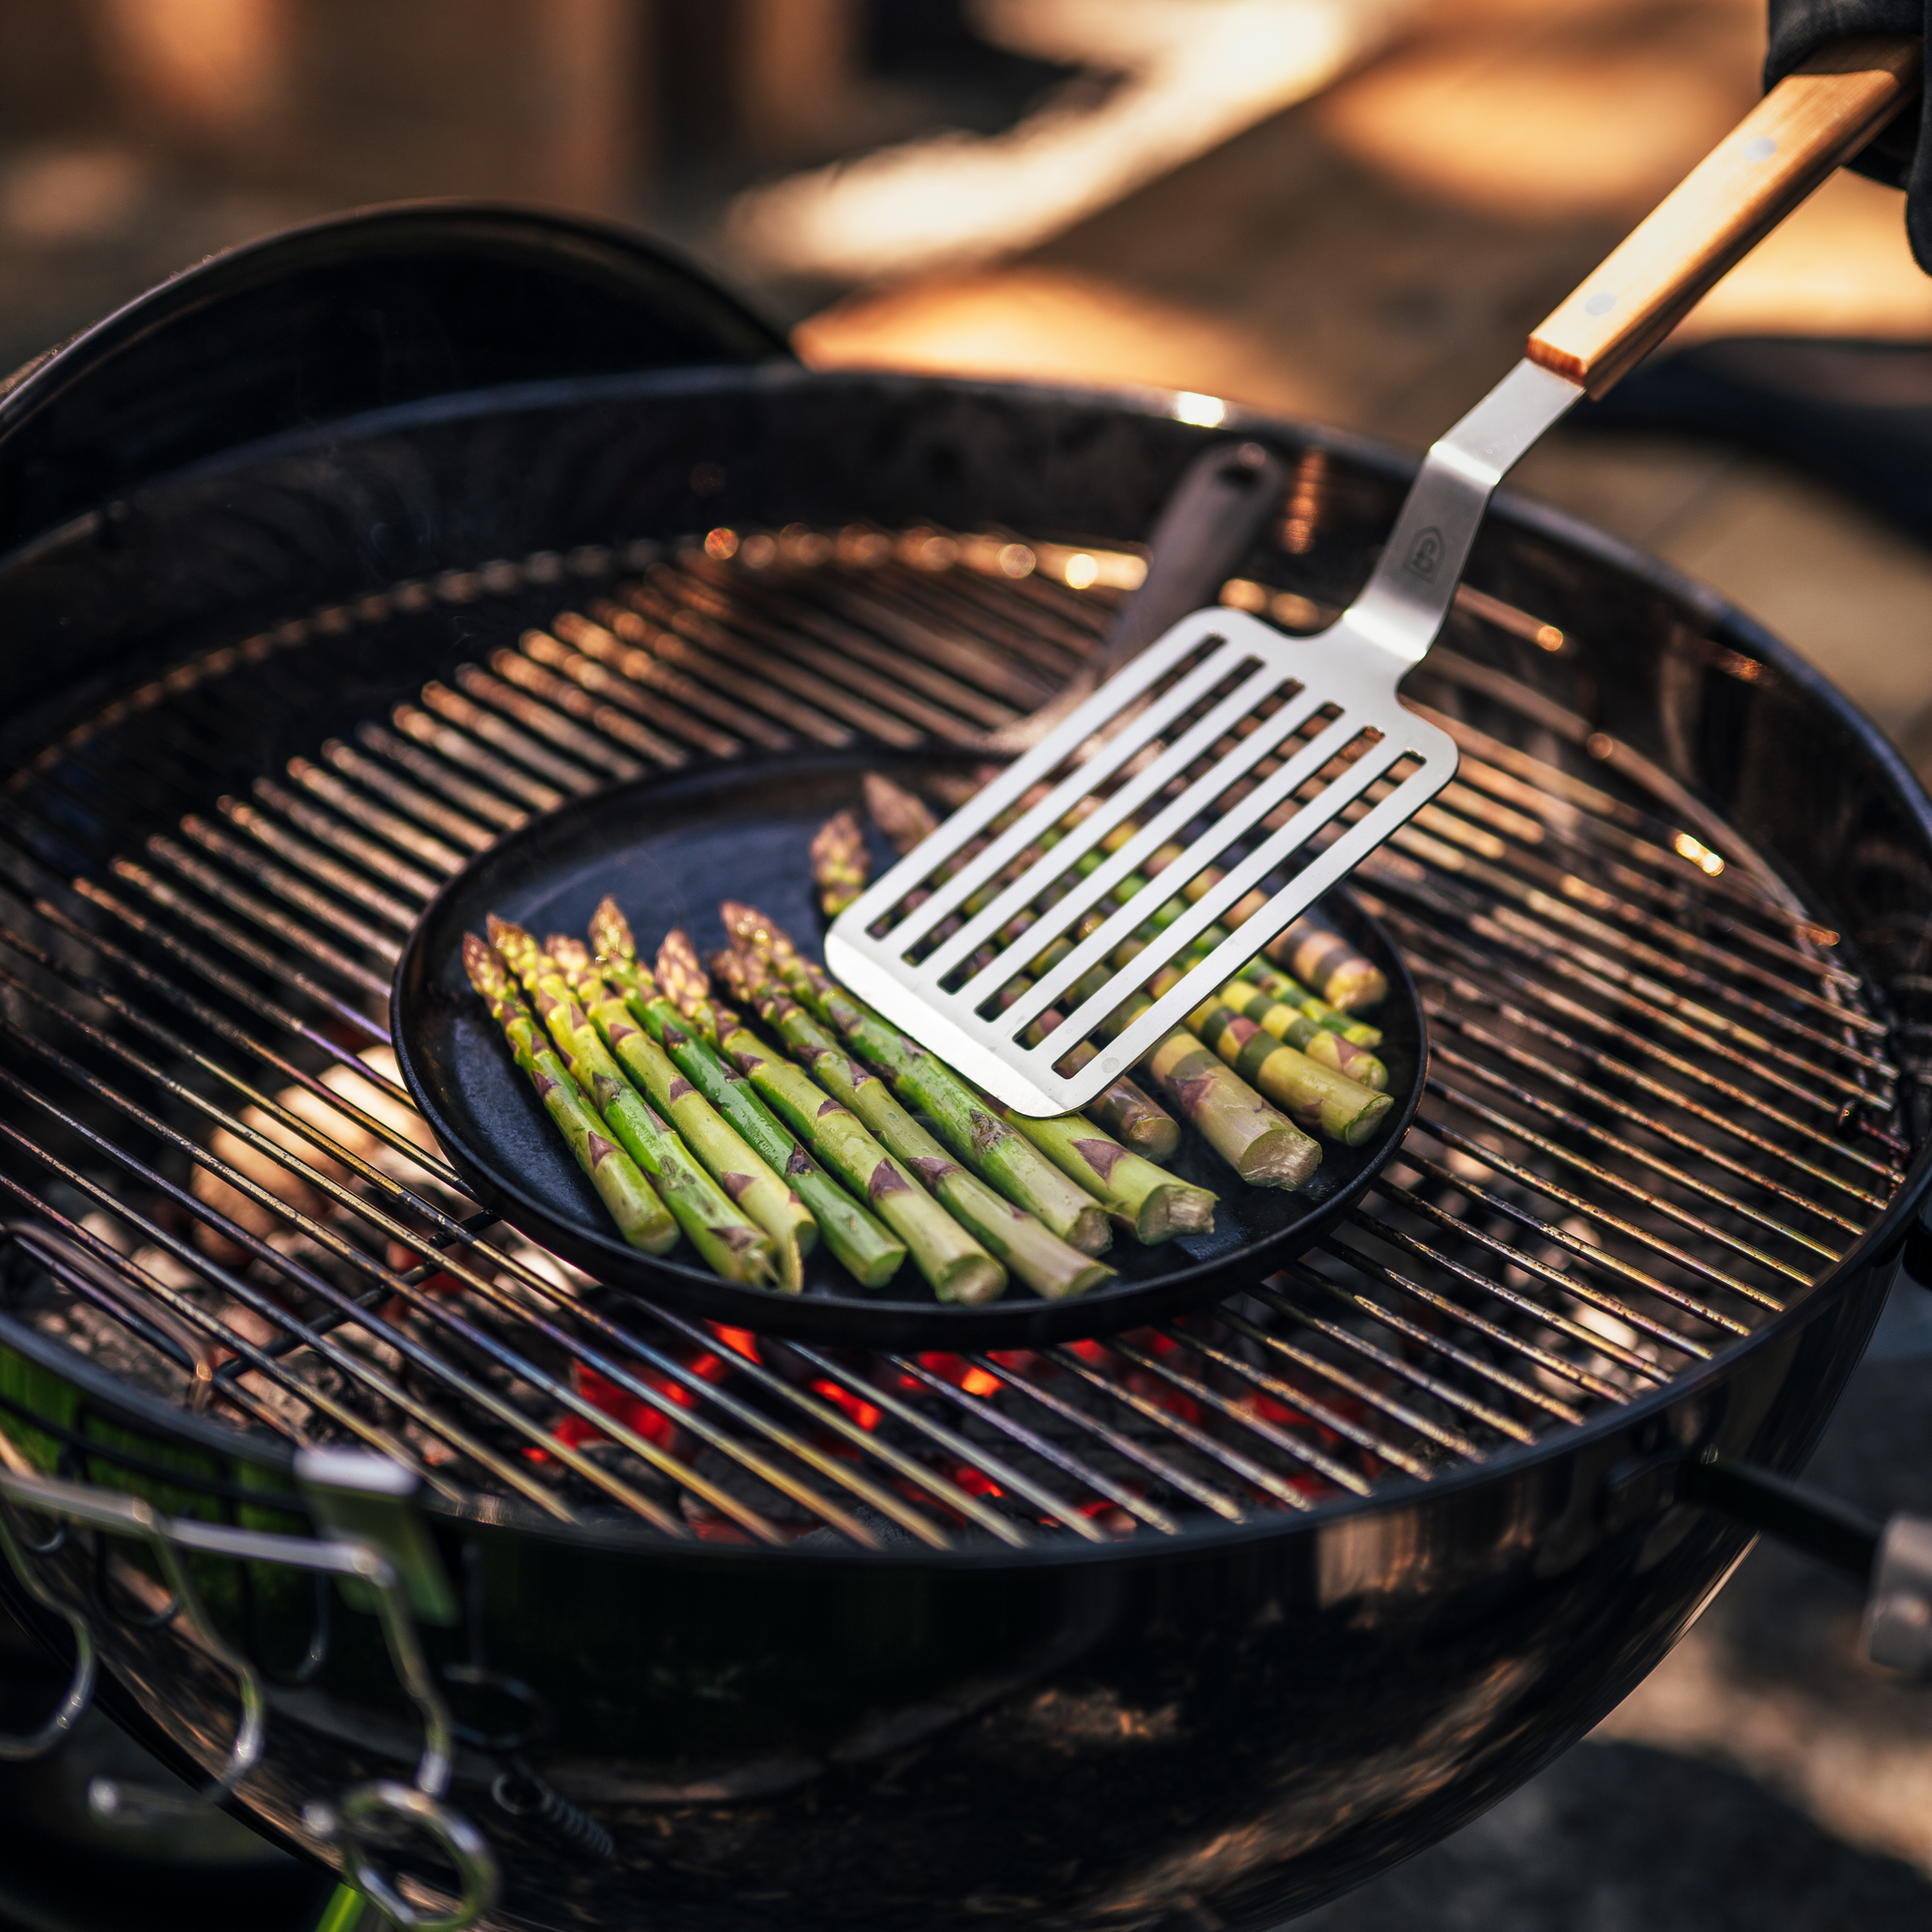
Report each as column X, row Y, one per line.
column 750, row 1182
column 1313, row 1095
column 1006, row 1159
column 1263, row 1148
column 869, row 1251
column 642, row 1219
column 731, row 1244
column 1293, row 1027
column 955, row 1264
column 840, row 864
column 1309, row 947
column 1276, row 983
column 1121, row 1108
column 1149, row 1203
column 1051, row 1268
column 1321, row 957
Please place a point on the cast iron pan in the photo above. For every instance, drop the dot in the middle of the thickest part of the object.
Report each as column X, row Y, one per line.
column 669, row 847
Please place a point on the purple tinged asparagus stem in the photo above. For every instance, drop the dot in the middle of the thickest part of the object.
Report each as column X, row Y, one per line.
column 1051, row 1268
column 956, row 1265
column 642, row 1219
column 867, row 1250
column 1149, row 1203
column 1313, row 1095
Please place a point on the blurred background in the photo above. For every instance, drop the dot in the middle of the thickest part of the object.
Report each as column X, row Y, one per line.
column 1345, row 209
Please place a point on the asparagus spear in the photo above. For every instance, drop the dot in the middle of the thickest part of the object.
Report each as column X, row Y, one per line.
column 1121, row 1107
column 1263, row 1147
column 1293, row 1028
column 1276, row 983
column 1318, row 956
column 869, row 1252
column 1149, row 1203
column 1309, row 947
column 730, row 1242
column 753, row 1188
column 1048, row 1266
column 1314, row 1096
column 955, row 1264
column 642, row 1219
column 1006, row 1159
column 840, row 864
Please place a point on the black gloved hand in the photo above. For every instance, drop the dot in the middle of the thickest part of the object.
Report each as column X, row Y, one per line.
column 1902, row 155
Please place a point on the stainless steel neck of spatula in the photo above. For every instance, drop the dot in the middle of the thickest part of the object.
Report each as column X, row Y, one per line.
column 1403, row 603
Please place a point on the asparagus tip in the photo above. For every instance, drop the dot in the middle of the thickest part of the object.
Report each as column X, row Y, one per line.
column 481, row 963
column 572, row 955
column 680, row 971
column 904, row 817
column 610, row 931
column 751, row 931
column 840, row 864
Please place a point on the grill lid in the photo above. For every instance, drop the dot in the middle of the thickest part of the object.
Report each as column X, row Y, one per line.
column 339, row 317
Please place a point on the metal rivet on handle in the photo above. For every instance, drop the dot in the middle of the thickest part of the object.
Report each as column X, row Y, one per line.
column 1760, row 148
column 1599, row 303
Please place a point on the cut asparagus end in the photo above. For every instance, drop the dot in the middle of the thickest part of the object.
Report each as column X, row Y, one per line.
column 1179, row 1209
column 1088, row 1229
column 1282, row 1157
column 1082, row 1282
column 973, row 1279
column 1152, row 1131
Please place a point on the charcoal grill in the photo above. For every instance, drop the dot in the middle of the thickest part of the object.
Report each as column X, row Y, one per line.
column 1197, row 1623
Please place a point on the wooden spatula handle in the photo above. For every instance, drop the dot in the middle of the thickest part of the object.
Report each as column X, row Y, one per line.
column 1814, row 119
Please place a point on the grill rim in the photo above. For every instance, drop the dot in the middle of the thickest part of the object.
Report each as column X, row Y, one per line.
column 1878, row 1249
column 1503, row 1470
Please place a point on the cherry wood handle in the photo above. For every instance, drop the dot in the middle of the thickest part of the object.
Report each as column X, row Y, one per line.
column 1815, row 118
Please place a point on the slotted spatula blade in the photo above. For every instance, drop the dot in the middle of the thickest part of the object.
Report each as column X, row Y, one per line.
column 1204, row 796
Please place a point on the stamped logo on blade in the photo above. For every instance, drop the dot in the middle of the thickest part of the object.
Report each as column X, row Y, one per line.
column 1424, row 555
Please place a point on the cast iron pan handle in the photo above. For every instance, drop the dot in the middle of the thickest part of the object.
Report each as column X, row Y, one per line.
column 1207, row 525
column 1218, row 509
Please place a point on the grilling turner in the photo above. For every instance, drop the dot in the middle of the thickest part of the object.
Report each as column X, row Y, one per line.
column 1175, row 743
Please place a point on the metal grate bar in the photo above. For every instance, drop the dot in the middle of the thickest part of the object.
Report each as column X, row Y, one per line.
column 1571, row 933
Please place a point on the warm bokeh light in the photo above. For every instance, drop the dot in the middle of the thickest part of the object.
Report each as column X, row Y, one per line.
column 1049, row 325
column 1599, row 115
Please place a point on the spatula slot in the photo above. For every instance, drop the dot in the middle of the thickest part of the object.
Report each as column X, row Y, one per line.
column 1050, row 922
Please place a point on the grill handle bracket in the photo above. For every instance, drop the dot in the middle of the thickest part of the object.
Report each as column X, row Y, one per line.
column 1891, row 1559
column 362, row 1821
